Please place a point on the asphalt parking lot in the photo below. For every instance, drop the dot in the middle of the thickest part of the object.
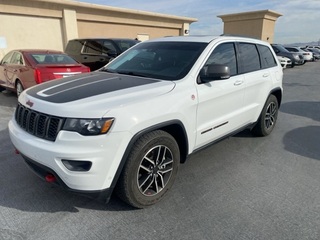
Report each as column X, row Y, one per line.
column 241, row 188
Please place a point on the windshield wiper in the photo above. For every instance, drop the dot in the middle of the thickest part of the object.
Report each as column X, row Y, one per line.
column 108, row 70
column 131, row 73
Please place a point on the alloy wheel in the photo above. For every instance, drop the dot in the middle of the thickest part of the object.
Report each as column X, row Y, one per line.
column 155, row 170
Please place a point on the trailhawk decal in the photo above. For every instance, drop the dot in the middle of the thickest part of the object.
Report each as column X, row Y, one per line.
column 85, row 85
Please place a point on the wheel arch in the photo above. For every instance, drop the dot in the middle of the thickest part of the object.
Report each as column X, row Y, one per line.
column 173, row 127
column 16, row 81
column 278, row 94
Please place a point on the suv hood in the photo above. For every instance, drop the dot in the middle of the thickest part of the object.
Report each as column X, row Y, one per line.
column 94, row 93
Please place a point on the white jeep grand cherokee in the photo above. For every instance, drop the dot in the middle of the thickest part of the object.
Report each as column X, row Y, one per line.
column 129, row 125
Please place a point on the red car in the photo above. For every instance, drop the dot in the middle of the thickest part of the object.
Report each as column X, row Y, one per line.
column 21, row 69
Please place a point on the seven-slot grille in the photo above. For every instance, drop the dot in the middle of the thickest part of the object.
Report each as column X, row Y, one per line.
column 38, row 124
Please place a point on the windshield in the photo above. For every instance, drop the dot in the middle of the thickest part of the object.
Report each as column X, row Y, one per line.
column 161, row 60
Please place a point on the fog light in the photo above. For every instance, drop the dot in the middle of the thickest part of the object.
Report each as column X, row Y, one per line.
column 78, row 166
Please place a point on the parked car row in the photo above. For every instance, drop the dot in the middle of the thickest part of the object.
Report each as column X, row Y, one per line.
column 314, row 51
column 23, row 68
column 290, row 56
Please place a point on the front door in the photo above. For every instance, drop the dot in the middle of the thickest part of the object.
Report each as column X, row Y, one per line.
column 220, row 102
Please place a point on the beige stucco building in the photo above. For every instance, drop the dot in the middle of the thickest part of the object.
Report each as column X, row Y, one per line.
column 257, row 24
column 49, row 24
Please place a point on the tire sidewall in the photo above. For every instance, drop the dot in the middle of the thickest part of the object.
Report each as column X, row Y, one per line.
column 265, row 130
column 134, row 162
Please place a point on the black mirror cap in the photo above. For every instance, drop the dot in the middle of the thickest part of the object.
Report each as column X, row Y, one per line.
column 213, row 72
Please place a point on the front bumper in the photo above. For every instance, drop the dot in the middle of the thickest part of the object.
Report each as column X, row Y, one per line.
column 104, row 152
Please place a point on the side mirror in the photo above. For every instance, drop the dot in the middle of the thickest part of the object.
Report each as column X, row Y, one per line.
column 213, row 72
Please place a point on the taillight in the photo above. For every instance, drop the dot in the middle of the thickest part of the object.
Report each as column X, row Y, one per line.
column 37, row 76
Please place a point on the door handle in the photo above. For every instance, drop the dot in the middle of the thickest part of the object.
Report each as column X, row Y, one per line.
column 265, row 75
column 238, row 82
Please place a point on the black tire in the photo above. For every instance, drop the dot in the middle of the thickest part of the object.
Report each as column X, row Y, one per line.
column 19, row 88
column 268, row 118
column 150, row 170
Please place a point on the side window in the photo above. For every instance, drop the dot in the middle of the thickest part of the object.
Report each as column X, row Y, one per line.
column 17, row 59
column 93, row 47
column 107, row 47
column 7, row 58
column 267, row 58
column 74, row 47
column 249, row 57
column 224, row 54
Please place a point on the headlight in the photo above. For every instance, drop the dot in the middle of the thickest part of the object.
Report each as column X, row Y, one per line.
column 88, row 126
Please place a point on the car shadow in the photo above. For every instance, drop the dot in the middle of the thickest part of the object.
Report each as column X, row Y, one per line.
column 8, row 99
column 302, row 108
column 303, row 141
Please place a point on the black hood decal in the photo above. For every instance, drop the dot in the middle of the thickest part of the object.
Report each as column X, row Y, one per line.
column 84, row 86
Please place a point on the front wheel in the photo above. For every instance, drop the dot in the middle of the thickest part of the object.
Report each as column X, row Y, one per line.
column 150, row 169
column 268, row 118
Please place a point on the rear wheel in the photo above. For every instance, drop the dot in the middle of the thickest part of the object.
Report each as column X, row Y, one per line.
column 150, row 169
column 268, row 117
column 19, row 88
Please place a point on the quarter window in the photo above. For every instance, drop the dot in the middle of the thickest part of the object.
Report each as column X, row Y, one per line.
column 267, row 58
column 249, row 56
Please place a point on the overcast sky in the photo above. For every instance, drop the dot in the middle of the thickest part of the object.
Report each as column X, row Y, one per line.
column 300, row 21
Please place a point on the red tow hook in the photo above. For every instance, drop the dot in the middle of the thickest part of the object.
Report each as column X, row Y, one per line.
column 16, row 151
column 50, row 178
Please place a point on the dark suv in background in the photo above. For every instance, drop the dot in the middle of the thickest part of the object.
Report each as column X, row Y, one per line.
column 97, row 52
column 296, row 59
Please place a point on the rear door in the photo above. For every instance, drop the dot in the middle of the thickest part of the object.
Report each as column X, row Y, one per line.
column 257, row 62
column 220, row 107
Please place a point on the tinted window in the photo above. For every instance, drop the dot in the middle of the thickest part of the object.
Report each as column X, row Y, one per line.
column 107, row 47
column 125, row 44
column 74, row 47
column 292, row 49
column 249, row 57
column 267, row 58
column 93, row 47
column 224, row 54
